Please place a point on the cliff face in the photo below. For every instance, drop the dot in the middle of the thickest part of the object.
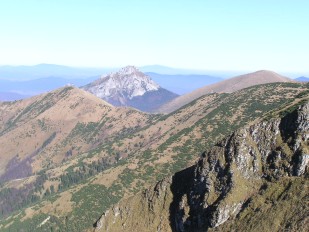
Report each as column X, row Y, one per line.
column 249, row 176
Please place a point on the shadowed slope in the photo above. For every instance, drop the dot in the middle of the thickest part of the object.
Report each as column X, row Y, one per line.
column 253, row 180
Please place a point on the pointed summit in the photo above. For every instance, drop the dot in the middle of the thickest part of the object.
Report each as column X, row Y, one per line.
column 128, row 70
column 128, row 82
column 130, row 87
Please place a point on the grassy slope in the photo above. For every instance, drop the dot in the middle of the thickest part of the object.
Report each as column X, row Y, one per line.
column 66, row 120
column 172, row 143
column 225, row 86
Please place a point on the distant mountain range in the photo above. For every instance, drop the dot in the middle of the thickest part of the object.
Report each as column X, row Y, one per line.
column 4, row 96
column 170, row 71
column 130, row 87
column 179, row 84
column 11, row 90
column 182, row 84
column 302, row 79
column 48, row 70
column 21, row 81
column 17, row 82
column 39, row 71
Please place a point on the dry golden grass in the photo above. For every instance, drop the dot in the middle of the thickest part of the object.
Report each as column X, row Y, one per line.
column 226, row 86
column 19, row 183
column 108, row 177
column 59, row 207
column 150, row 137
column 77, row 106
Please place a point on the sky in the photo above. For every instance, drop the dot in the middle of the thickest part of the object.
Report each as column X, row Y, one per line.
column 191, row 34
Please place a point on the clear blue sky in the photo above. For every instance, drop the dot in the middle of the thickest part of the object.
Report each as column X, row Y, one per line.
column 196, row 34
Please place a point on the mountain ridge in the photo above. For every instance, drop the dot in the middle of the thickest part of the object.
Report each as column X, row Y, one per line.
column 122, row 156
column 229, row 85
column 217, row 191
column 56, row 117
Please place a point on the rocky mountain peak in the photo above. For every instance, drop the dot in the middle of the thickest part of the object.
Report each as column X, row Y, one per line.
column 128, row 70
column 130, row 87
column 127, row 83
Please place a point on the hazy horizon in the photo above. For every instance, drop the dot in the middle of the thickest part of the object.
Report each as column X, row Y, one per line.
column 156, row 68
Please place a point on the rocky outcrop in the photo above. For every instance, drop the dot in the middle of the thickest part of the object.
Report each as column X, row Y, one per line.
column 148, row 212
column 224, row 181
column 237, row 166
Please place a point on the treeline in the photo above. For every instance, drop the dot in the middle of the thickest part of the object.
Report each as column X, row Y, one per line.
column 12, row 199
column 84, row 171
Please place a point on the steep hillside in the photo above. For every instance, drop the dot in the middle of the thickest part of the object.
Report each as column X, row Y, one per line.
column 56, row 126
column 253, row 180
column 130, row 87
column 226, row 86
column 68, row 196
